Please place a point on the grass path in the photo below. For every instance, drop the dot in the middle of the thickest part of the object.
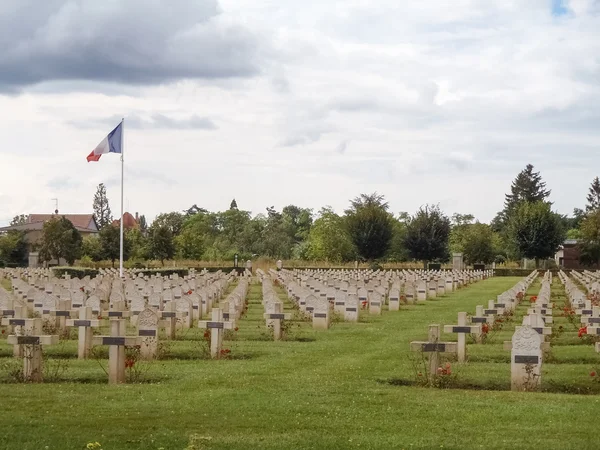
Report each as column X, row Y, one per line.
column 320, row 390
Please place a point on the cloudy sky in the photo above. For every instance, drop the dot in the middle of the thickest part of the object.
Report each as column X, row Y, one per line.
column 278, row 102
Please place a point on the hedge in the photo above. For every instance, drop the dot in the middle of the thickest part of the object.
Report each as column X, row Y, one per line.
column 74, row 272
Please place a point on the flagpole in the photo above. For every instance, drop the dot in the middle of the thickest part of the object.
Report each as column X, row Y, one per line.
column 121, row 221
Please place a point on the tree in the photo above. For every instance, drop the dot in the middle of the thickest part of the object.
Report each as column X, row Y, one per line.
column 91, row 248
column 526, row 187
column 101, row 207
column 370, row 225
column 397, row 251
column 173, row 221
column 535, row 230
column 427, row 234
column 161, row 243
column 233, row 204
column 13, row 247
column 590, row 239
column 297, row 222
column 110, row 242
column 143, row 224
column 460, row 226
column 136, row 244
column 60, row 239
column 21, row 219
column 194, row 209
column 593, row 198
column 328, row 239
column 479, row 244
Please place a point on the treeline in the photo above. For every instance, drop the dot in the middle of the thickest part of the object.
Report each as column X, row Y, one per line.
column 367, row 231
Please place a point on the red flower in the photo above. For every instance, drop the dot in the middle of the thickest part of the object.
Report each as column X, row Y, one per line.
column 582, row 331
column 189, row 292
column 235, row 329
column 129, row 363
column 485, row 328
column 206, row 334
column 592, row 374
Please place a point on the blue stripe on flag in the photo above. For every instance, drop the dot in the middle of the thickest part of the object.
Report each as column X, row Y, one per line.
column 114, row 139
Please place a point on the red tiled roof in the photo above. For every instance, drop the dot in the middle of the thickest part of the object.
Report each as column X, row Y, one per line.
column 129, row 222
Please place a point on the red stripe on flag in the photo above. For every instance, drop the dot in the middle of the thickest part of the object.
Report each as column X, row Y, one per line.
column 92, row 157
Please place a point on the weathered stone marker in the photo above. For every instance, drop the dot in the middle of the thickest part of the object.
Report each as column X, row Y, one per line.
column 148, row 332
column 216, row 327
column 462, row 329
column 433, row 346
column 526, row 359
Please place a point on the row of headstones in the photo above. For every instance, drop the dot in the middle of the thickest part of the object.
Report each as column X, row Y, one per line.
column 522, row 356
column 315, row 298
column 100, row 299
column 185, row 308
column 418, row 285
column 590, row 280
column 27, row 337
column 589, row 315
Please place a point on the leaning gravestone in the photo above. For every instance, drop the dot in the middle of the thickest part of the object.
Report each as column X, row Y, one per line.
column 526, row 359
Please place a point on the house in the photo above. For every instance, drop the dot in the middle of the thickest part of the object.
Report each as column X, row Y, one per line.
column 129, row 222
column 567, row 256
column 84, row 223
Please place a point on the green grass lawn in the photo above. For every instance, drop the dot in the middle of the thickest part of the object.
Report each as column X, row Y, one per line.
column 318, row 390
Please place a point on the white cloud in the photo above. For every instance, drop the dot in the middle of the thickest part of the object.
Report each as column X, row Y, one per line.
column 425, row 102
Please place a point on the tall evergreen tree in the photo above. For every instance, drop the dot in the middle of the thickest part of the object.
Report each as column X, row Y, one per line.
column 593, row 198
column 233, row 204
column 526, row 187
column 101, row 207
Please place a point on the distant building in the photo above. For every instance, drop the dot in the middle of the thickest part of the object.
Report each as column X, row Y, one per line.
column 567, row 257
column 129, row 222
column 84, row 223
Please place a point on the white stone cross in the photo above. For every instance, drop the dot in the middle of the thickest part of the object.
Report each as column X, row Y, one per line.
column 433, row 346
column 216, row 327
column 116, row 353
column 462, row 329
column 85, row 323
column 31, row 346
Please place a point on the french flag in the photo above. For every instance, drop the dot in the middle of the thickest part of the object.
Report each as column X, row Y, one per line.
column 110, row 144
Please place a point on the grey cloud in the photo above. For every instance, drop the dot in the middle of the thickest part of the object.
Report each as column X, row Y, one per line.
column 154, row 121
column 342, row 146
column 129, row 42
column 305, row 137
